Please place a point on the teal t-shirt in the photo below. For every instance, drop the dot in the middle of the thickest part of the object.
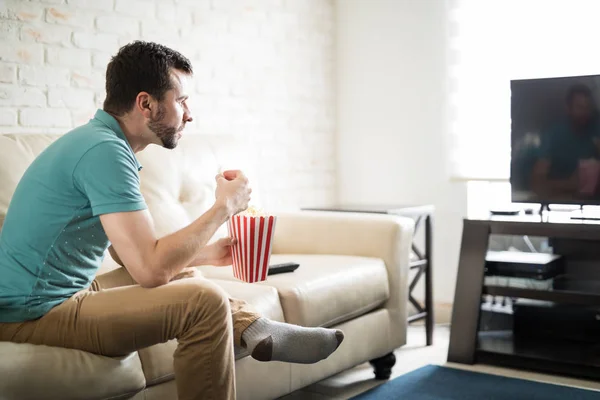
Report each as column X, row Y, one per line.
column 52, row 242
column 565, row 148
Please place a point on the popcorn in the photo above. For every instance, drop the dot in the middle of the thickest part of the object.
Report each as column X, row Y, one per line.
column 254, row 230
column 253, row 211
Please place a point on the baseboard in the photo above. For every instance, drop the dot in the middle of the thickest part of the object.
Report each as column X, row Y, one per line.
column 442, row 314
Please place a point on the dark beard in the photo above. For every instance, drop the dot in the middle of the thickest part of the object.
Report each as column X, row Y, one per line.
column 167, row 134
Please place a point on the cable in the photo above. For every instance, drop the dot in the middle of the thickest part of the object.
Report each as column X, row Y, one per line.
column 529, row 244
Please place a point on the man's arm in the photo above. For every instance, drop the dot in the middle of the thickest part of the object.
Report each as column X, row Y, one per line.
column 115, row 256
column 542, row 185
column 153, row 262
column 202, row 259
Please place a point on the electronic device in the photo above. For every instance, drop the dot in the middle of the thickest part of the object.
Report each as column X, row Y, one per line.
column 282, row 268
column 536, row 319
column 506, row 211
column 540, row 266
column 557, row 121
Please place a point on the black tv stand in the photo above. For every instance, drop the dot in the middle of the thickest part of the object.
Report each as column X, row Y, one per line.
column 586, row 215
column 575, row 241
column 581, row 214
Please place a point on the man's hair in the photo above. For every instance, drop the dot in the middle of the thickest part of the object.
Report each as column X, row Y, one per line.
column 578, row 89
column 140, row 67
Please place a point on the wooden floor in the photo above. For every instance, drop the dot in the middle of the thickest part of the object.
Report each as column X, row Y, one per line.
column 410, row 357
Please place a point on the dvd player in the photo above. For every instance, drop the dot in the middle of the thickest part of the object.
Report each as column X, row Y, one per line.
column 517, row 264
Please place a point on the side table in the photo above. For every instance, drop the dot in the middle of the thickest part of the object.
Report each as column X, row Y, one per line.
column 421, row 261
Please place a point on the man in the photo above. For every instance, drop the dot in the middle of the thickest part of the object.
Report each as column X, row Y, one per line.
column 82, row 194
column 556, row 171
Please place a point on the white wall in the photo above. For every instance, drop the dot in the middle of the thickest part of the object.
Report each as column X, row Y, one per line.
column 263, row 70
column 392, row 117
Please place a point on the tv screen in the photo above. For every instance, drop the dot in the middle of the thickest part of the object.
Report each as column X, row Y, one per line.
column 555, row 140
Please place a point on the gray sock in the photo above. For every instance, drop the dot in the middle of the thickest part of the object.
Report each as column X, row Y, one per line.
column 277, row 341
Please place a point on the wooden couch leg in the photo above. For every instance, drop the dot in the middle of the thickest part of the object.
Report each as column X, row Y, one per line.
column 383, row 366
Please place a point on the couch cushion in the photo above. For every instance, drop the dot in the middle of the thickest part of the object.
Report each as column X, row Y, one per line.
column 38, row 372
column 326, row 289
column 264, row 299
column 157, row 361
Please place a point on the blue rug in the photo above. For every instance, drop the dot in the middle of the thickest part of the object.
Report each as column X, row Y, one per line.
column 440, row 383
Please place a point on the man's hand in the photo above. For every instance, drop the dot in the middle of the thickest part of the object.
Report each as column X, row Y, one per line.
column 544, row 186
column 188, row 272
column 233, row 191
column 218, row 253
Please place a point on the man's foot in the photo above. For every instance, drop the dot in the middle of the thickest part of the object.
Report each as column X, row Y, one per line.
column 276, row 341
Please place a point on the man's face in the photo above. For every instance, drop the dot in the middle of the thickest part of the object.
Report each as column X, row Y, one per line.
column 580, row 110
column 168, row 121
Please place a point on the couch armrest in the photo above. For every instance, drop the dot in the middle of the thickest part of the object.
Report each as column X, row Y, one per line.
column 386, row 237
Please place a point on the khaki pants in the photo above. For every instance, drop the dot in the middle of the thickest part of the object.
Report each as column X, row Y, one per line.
column 115, row 316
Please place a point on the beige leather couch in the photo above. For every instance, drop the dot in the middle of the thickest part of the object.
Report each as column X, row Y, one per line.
column 353, row 276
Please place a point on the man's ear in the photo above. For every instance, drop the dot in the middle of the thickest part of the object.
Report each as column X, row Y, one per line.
column 144, row 104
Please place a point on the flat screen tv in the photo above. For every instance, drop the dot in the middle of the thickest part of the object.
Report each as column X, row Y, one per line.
column 555, row 139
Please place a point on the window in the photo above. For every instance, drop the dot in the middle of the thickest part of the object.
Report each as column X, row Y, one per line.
column 484, row 196
column 494, row 41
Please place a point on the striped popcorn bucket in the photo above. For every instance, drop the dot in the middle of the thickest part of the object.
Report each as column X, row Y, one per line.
column 252, row 251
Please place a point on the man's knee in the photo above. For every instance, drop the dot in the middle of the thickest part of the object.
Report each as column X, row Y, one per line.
column 206, row 297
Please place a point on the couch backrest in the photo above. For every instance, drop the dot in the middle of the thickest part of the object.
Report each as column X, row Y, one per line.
column 16, row 153
column 178, row 184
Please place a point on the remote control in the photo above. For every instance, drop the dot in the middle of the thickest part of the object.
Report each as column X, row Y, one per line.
column 281, row 268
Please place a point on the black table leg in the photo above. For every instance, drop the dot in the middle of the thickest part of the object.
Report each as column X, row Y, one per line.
column 429, row 280
column 467, row 297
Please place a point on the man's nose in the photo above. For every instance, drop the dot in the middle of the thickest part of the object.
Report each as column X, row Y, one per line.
column 187, row 116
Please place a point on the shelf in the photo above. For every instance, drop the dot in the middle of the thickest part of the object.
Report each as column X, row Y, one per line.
column 554, row 226
column 558, row 296
column 563, row 289
column 556, row 356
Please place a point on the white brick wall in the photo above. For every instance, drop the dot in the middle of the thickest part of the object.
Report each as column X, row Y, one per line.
column 65, row 57
column 263, row 70
column 34, row 75
column 8, row 117
column 8, row 73
column 45, row 117
column 13, row 95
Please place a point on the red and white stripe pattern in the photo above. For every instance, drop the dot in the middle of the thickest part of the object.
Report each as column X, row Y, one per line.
column 252, row 252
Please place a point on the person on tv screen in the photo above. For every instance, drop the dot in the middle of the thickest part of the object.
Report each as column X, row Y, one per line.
column 567, row 164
